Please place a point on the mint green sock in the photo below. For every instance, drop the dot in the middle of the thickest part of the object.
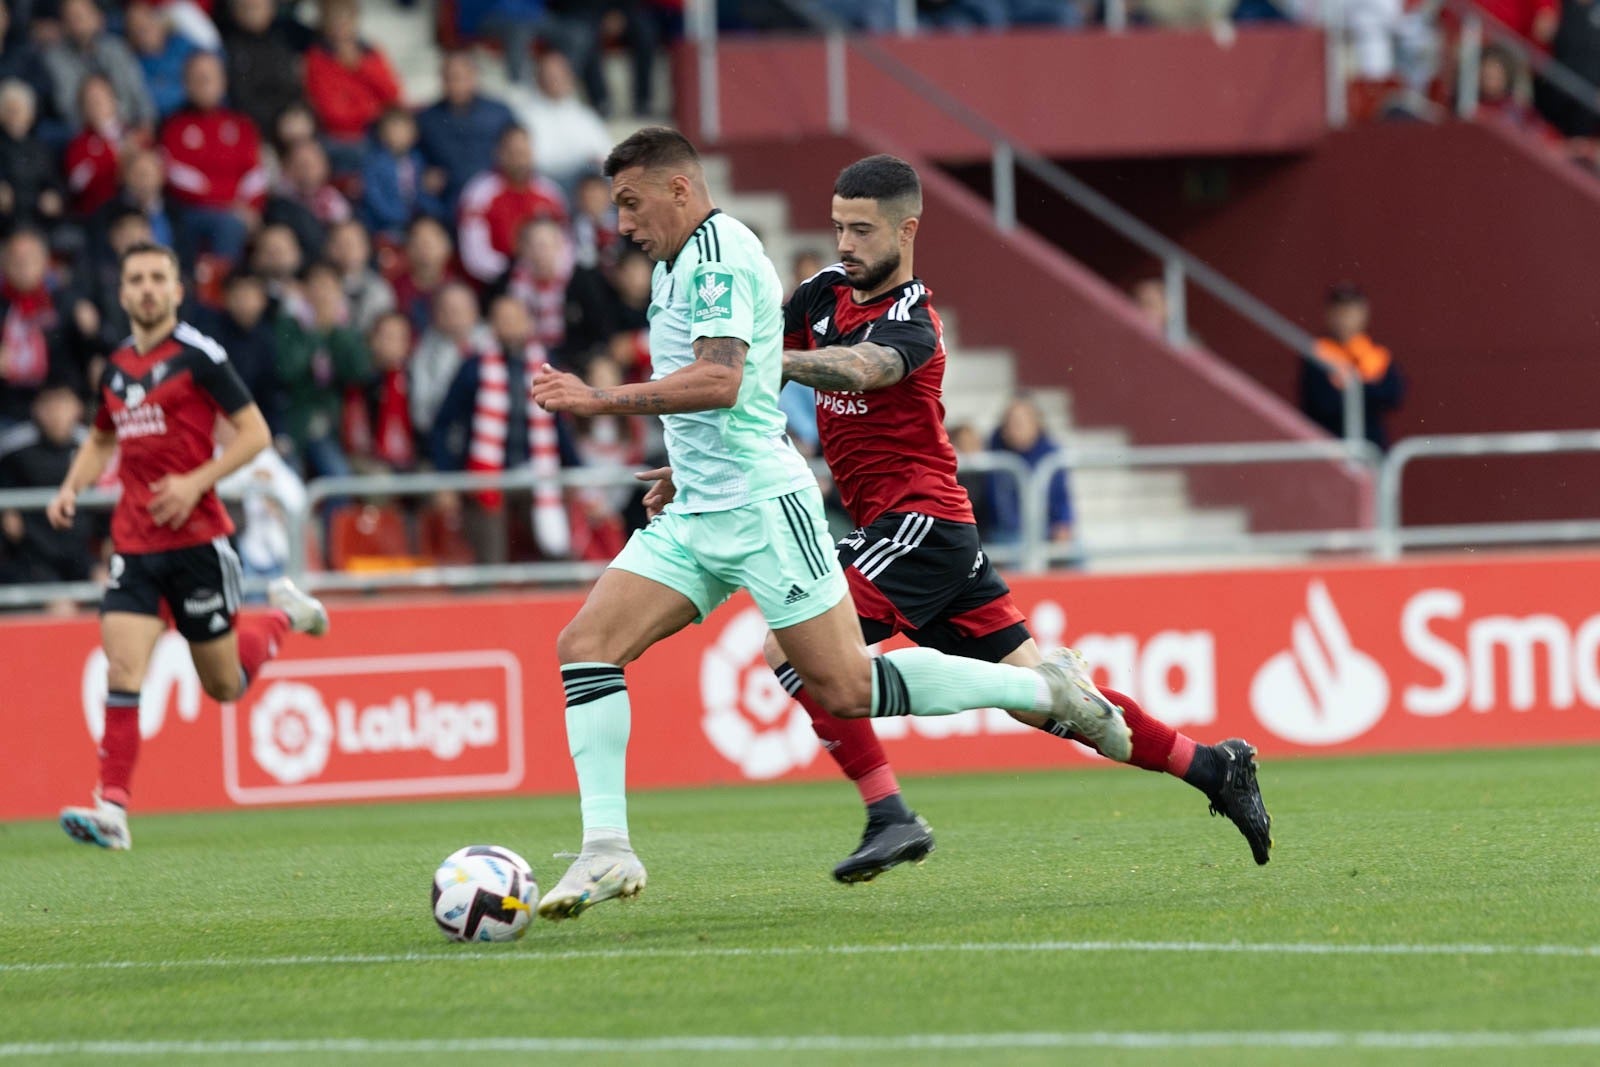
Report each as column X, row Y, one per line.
column 598, row 717
column 922, row 681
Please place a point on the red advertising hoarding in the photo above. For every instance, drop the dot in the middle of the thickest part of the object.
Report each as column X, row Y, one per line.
column 433, row 697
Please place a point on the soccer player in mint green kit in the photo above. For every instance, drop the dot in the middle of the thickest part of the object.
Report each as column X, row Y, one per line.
column 747, row 514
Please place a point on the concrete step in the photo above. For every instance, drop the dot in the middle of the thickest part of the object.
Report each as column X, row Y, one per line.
column 1160, row 530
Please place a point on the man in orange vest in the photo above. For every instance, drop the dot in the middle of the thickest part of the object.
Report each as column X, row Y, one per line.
column 1348, row 351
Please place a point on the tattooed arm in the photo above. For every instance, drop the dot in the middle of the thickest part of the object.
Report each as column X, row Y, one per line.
column 845, row 369
column 712, row 381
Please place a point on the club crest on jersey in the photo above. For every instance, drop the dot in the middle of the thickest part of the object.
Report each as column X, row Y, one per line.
column 714, row 297
column 134, row 396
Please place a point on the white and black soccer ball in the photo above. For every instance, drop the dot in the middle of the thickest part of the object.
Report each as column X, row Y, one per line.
column 484, row 893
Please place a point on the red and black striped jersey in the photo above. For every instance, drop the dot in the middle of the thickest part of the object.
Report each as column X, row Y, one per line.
column 887, row 449
column 163, row 406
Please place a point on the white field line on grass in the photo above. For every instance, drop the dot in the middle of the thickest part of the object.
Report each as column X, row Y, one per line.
column 469, row 955
column 1296, row 1039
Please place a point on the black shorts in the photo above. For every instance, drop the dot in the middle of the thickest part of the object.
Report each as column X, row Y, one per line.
column 199, row 584
column 931, row 580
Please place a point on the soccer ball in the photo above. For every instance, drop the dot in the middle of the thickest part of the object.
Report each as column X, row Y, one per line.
column 483, row 893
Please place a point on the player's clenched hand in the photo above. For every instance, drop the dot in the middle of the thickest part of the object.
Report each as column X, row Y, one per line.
column 63, row 509
column 174, row 500
column 660, row 493
column 556, row 390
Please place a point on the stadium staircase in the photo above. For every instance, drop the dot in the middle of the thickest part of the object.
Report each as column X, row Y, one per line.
column 1114, row 506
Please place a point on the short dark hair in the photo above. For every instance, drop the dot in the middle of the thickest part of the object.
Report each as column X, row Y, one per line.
column 651, row 147
column 146, row 248
column 882, row 178
column 1345, row 293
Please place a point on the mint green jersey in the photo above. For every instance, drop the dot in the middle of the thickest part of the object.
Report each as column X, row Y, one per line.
column 723, row 285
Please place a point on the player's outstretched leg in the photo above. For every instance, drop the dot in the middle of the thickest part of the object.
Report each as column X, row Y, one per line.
column 894, row 834
column 922, row 681
column 1224, row 772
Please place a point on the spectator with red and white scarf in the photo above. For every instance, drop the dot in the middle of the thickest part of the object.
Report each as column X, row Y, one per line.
column 378, row 435
column 39, row 339
column 489, row 422
column 538, row 277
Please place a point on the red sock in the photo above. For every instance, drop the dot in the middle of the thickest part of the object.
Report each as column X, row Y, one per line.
column 259, row 637
column 119, row 746
column 1156, row 746
column 852, row 743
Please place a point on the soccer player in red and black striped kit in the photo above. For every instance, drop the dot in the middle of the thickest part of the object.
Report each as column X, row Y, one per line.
column 865, row 335
column 160, row 398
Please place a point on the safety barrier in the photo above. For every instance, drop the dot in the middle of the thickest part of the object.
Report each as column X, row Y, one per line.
column 1386, row 538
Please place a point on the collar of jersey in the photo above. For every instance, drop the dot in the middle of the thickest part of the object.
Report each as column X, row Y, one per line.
column 673, row 262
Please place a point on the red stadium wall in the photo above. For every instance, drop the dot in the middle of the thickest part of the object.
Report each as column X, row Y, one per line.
column 1068, row 327
column 440, row 697
column 1472, row 244
column 1082, row 94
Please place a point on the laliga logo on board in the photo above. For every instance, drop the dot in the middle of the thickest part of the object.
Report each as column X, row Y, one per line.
column 372, row 726
column 1323, row 690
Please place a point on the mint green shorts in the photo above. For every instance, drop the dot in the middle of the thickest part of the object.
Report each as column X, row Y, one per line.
column 778, row 549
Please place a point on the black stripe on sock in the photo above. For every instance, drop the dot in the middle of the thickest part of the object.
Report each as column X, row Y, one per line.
column 585, row 689
column 122, row 698
column 789, row 678
column 585, row 684
column 593, row 695
column 1060, row 729
column 569, row 674
column 893, row 699
column 809, row 549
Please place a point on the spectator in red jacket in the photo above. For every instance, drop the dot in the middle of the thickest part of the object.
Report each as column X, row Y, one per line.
column 92, row 156
column 349, row 84
column 213, row 163
column 496, row 204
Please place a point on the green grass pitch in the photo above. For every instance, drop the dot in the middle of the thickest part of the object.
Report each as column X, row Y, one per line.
column 1422, row 909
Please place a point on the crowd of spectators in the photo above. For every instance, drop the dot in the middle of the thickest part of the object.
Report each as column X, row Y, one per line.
column 383, row 276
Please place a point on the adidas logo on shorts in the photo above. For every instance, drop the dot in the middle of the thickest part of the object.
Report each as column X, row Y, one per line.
column 796, row 594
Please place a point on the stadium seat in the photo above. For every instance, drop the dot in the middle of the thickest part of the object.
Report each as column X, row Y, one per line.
column 441, row 538
column 370, row 538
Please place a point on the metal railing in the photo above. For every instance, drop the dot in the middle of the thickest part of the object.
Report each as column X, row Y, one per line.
column 1387, row 538
column 1179, row 267
column 1395, row 536
column 1360, row 454
column 37, row 593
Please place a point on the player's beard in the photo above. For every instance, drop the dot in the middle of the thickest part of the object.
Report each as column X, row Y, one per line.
column 150, row 320
column 875, row 275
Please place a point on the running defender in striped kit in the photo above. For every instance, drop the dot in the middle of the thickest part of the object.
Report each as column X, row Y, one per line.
column 864, row 333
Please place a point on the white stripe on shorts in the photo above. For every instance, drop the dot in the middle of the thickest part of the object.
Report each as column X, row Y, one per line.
column 918, row 535
column 232, row 575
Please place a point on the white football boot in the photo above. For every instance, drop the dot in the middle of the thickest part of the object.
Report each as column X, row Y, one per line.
column 105, row 824
column 603, row 871
column 306, row 613
column 1080, row 704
